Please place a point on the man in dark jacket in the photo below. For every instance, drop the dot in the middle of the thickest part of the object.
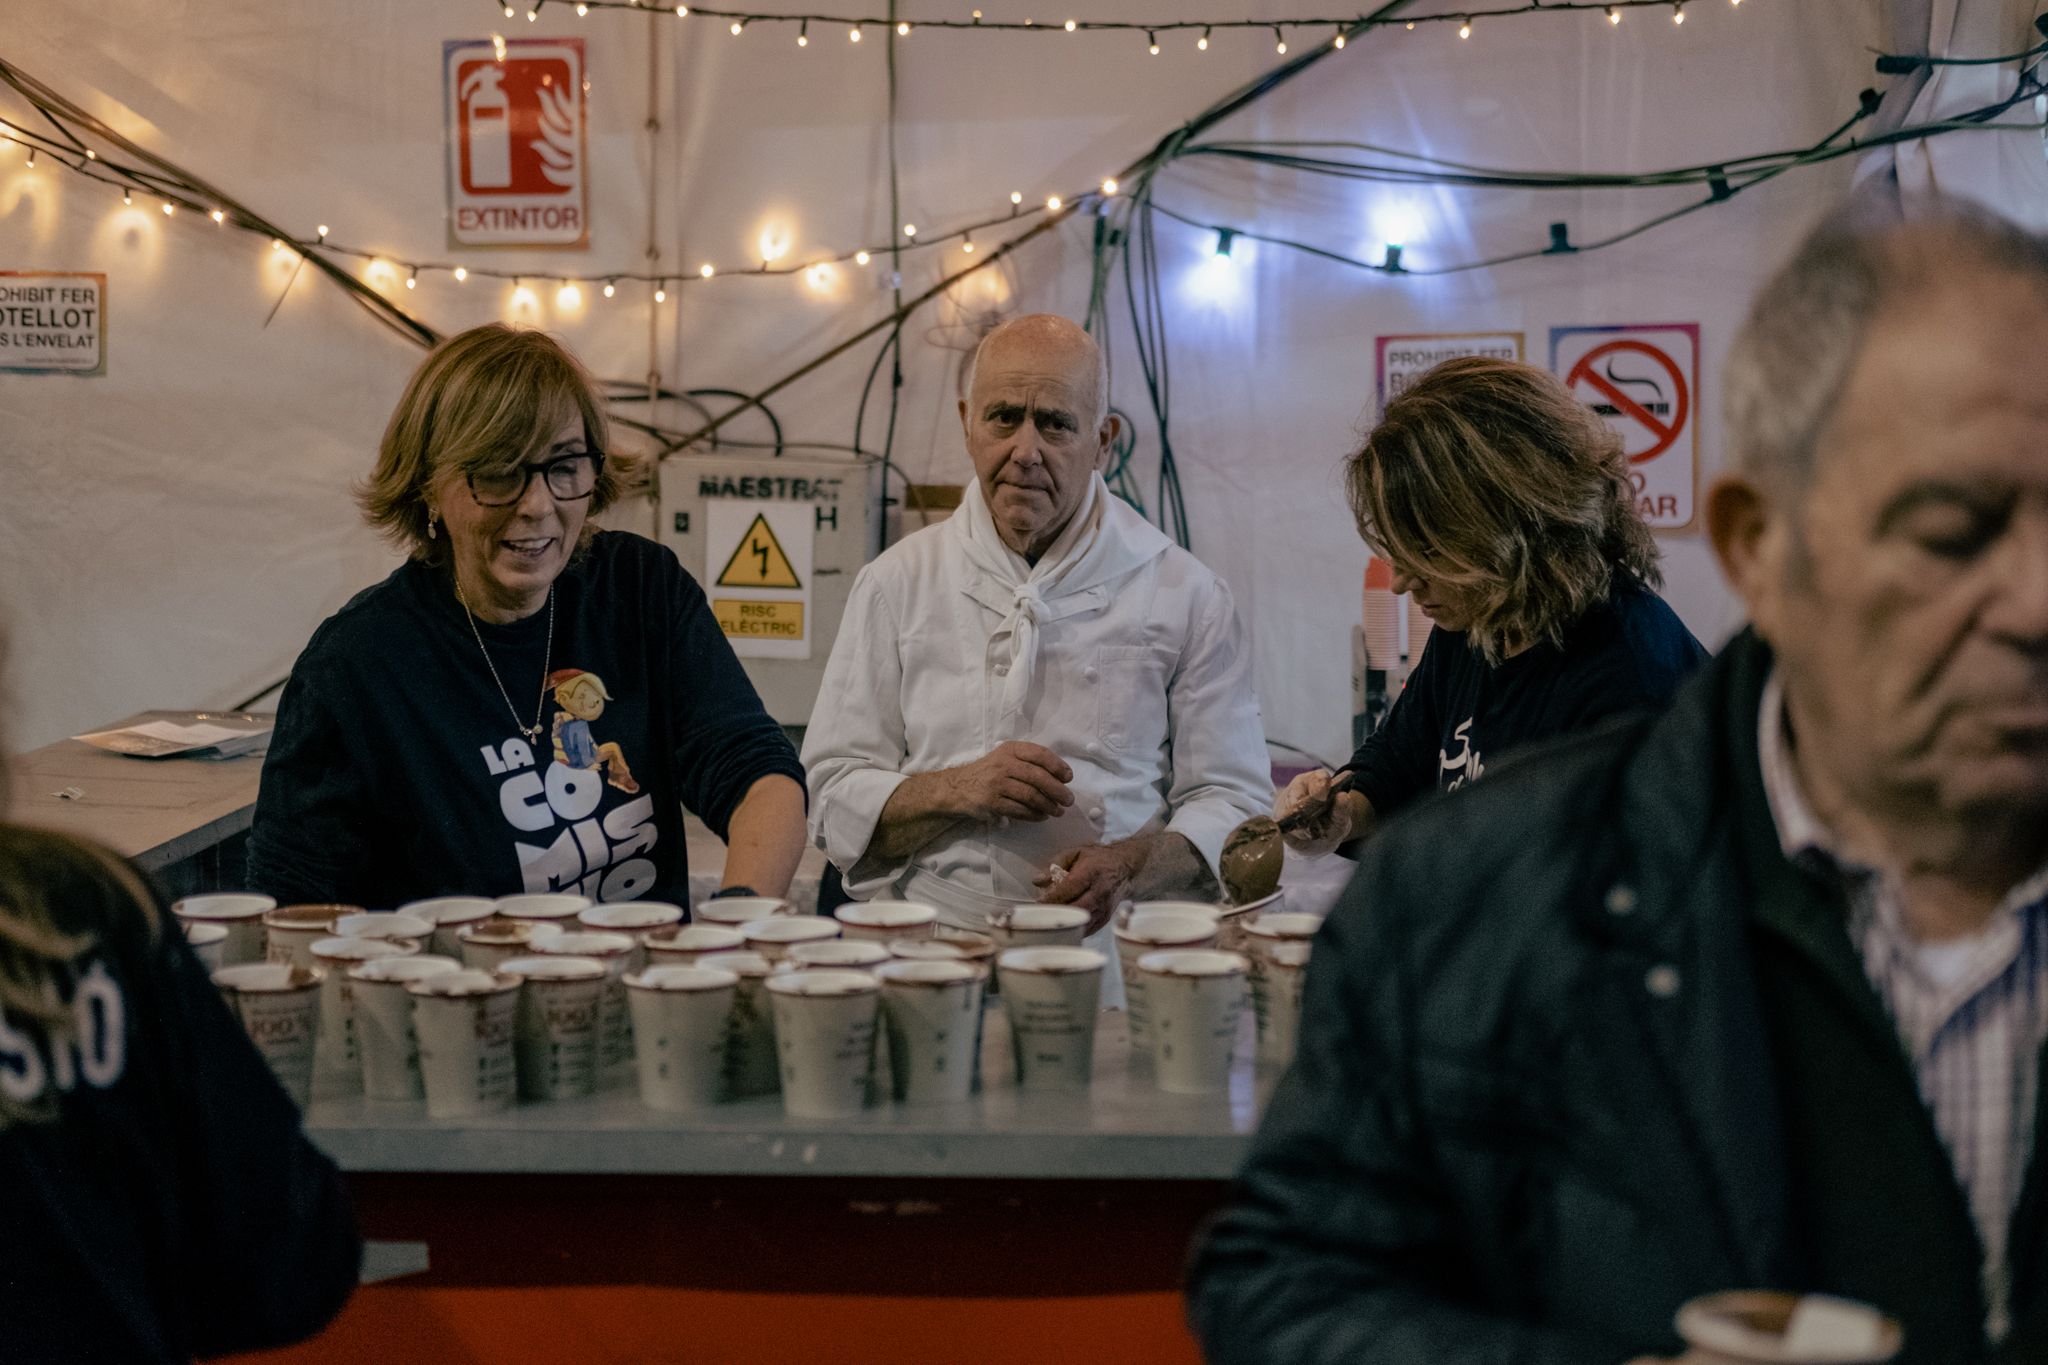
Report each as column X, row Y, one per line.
column 1752, row 994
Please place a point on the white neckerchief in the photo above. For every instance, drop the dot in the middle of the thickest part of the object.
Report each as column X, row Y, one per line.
column 1097, row 546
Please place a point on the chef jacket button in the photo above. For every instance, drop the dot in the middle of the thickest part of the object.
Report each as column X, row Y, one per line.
column 1621, row 900
column 1095, row 813
column 1089, row 673
column 1661, row 981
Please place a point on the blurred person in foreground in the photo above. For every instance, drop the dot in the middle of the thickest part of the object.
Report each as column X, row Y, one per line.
column 158, row 1199
column 1505, row 507
column 1751, row 994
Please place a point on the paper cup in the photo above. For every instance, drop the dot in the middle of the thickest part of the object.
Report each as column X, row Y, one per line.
column 771, row 938
column 946, row 945
column 547, row 905
column 290, row 931
column 380, row 924
column 279, row 1006
column 825, row 1038
column 881, row 921
column 209, row 942
column 1766, row 1327
column 738, row 910
column 931, row 1012
column 684, row 944
column 561, row 1009
column 1196, row 998
column 385, row 1039
column 466, row 1022
column 751, row 1065
column 1051, row 996
column 1039, row 926
column 239, row 912
column 448, row 914
column 615, row 1022
column 338, row 1059
column 843, row 954
column 1279, row 973
column 682, row 1021
column 635, row 918
column 1185, row 925
column 490, row 943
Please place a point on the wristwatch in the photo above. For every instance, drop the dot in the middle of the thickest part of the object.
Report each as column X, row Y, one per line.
column 725, row 891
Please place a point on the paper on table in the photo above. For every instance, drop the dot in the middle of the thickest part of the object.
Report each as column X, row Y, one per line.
column 163, row 739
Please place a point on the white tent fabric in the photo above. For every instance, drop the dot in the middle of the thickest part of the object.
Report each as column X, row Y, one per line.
column 2004, row 170
column 172, row 532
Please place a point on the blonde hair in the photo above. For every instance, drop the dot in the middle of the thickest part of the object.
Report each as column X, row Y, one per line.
column 485, row 401
column 1487, row 476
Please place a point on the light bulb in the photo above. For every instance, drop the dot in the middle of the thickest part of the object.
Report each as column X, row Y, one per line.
column 1613, row 15
column 1071, row 25
column 610, row 289
column 1109, row 188
column 276, row 244
column 582, row 11
column 1339, row 44
column 861, row 258
column 412, row 280
column 1016, row 197
column 1151, row 44
column 461, row 274
column 803, row 34
column 321, row 232
column 568, row 296
column 1052, row 203
column 522, row 296
column 1465, row 28
column 218, row 217
column 1279, row 41
column 853, row 34
column 736, row 27
column 910, row 230
column 127, row 198
column 169, row 208
column 682, row 11
column 91, row 155
column 903, row 30
column 819, row 276
column 508, row 11
column 532, row 15
column 31, row 158
column 1678, row 14
column 661, row 296
column 707, row 270
column 968, row 246
column 1202, row 43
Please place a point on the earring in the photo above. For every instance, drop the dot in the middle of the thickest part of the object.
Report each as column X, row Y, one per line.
column 433, row 519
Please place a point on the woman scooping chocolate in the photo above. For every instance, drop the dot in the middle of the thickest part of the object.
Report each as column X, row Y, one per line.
column 1505, row 507
column 528, row 703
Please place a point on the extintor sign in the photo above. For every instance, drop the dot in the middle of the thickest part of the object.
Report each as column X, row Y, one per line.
column 518, row 156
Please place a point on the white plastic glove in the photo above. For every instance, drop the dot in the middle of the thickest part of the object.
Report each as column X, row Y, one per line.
column 1320, row 836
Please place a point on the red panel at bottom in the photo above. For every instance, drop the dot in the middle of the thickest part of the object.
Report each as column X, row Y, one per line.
column 614, row 1325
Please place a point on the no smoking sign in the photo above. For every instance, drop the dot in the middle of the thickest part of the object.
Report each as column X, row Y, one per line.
column 1644, row 380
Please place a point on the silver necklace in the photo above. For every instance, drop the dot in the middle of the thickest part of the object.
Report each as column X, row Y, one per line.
column 532, row 732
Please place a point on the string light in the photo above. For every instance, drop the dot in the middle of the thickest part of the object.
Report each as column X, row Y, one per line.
column 498, row 46
column 611, row 287
column 1393, row 263
column 461, row 274
column 902, row 30
column 532, row 15
column 1202, row 43
column 1678, row 12
column 169, row 208
column 1338, row 43
column 582, row 11
column 1279, row 41
column 1053, row 203
column 1016, row 198
column 568, row 296
column 1151, row 43
column 819, row 276
column 737, row 27
column 660, row 294
column 91, row 155
column 861, row 258
column 218, row 217
column 1109, row 188
column 853, row 34
column 803, row 34
column 967, row 246
column 412, row 279
column 31, row 158
column 321, row 232
column 1613, row 15
column 1465, row 27
column 707, row 270
column 1224, row 238
column 910, row 230
column 682, row 11
column 277, row 244
column 127, row 197
column 508, row 11
column 1071, row 26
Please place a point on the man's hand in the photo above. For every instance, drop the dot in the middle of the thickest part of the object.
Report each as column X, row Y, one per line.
column 1317, row 836
column 1096, row 878
column 1016, row 780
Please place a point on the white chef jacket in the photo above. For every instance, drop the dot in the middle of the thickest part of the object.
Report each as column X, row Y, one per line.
column 1142, row 683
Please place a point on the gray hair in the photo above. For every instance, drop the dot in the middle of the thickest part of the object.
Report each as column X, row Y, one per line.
column 1047, row 322
column 1794, row 353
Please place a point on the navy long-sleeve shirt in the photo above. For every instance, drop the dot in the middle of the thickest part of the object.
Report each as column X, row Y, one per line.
column 398, row 771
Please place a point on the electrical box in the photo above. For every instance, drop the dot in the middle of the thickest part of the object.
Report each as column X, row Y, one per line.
column 776, row 542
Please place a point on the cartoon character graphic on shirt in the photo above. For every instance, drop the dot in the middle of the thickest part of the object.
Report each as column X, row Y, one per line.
column 582, row 697
column 1466, row 764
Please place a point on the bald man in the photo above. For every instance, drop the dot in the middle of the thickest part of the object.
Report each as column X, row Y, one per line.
column 1043, row 698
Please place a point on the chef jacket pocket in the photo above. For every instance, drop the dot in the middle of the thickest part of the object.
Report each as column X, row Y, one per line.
column 1130, row 697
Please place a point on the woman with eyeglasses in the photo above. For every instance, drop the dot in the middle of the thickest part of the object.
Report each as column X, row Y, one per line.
column 529, row 702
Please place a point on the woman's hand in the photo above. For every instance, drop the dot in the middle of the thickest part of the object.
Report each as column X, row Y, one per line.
column 1317, row 836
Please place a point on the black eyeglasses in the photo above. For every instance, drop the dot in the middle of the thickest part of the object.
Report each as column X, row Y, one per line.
column 570, row 478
